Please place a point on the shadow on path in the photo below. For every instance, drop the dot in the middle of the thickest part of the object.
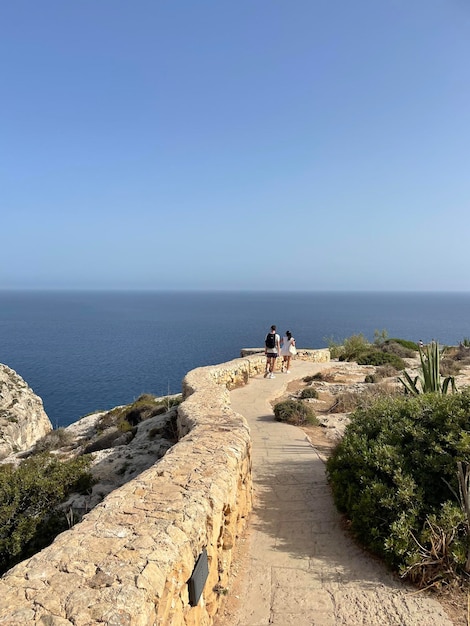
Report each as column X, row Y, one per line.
column 300, row 566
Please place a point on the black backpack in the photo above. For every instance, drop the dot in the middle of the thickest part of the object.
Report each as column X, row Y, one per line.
column 270, row 341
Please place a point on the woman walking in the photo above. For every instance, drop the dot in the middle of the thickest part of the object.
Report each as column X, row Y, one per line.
column 287, row 351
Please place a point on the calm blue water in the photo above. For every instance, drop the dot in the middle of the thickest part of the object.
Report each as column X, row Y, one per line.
column 84, row 351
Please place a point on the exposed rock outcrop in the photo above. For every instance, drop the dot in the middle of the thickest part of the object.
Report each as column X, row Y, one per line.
column 22, row 417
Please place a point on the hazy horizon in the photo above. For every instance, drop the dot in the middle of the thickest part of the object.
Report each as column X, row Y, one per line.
column 235, row 146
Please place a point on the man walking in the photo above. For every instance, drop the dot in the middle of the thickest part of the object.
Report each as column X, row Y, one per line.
column 272, row 349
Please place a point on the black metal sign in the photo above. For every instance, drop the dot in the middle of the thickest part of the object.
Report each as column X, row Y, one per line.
column 198, row 578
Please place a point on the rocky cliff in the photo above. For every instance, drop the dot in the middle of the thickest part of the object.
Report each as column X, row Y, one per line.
column 22, row 417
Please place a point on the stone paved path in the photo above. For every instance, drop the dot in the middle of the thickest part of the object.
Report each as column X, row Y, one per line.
column 300, row 567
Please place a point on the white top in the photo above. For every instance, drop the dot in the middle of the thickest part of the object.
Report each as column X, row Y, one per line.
column 285, row 345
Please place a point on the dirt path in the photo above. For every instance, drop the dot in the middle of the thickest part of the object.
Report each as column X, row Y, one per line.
column 297, row 564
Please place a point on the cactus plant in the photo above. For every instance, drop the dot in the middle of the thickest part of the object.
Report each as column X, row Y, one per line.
column 430, row 379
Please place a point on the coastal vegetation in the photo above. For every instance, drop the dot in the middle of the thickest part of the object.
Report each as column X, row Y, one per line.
column 124, row 418
column 294, row 412
column 401, row 472
column 430, row 380
column 383, row 351
column 34, row 494
column 30, row 496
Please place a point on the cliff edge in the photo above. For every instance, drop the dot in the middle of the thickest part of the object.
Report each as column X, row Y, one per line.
column 22, row 417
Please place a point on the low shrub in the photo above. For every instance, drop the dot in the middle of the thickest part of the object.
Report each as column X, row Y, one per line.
column 309, row 392
column 459, row 354
column 146, row 406
column 55, row 439
column 449, row 367
column 385, row 371
column 394, row 347
column 328, row 376
column 376, row 357
column 29, row 499
column 371, row 378
column 109, row 439
column 380, row 337
column 354, row 347
column 335, row 348
column 394, row 474
column 349, row 401
column 345, row 402
column 410, row 345
column 294, row 412
column 310, row 379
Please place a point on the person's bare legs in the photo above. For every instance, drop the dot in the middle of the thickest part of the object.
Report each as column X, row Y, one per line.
column 270, row 363
column 266, row 370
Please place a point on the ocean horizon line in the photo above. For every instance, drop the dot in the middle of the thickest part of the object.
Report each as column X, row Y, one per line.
column 218, row 291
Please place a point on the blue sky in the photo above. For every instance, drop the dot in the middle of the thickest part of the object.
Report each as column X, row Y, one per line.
column 250, row 144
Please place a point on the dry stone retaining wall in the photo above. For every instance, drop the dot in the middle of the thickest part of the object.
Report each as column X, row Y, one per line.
column 304, row 354
column 129, row 561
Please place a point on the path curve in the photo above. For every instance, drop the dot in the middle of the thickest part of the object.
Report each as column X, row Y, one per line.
column 299, row 566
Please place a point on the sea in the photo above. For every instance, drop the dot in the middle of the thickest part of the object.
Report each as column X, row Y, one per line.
column 84, row 351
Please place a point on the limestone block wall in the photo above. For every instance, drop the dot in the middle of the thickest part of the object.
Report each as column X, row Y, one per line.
column 129, row 561
column 304, row 354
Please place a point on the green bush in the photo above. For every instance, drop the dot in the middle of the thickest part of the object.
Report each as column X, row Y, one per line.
column 29, row 499
column 395, row 347
column 309, row 392
column 376, row 357
column 394, row 474
column 334, row 347
column 410, row 345
column 354, row 347
column 294, row 412
column 383, row 351
column 146, row 406
column 380, row 337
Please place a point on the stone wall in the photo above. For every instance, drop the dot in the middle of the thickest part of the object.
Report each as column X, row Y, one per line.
column 129, row 561
column 304, row 354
